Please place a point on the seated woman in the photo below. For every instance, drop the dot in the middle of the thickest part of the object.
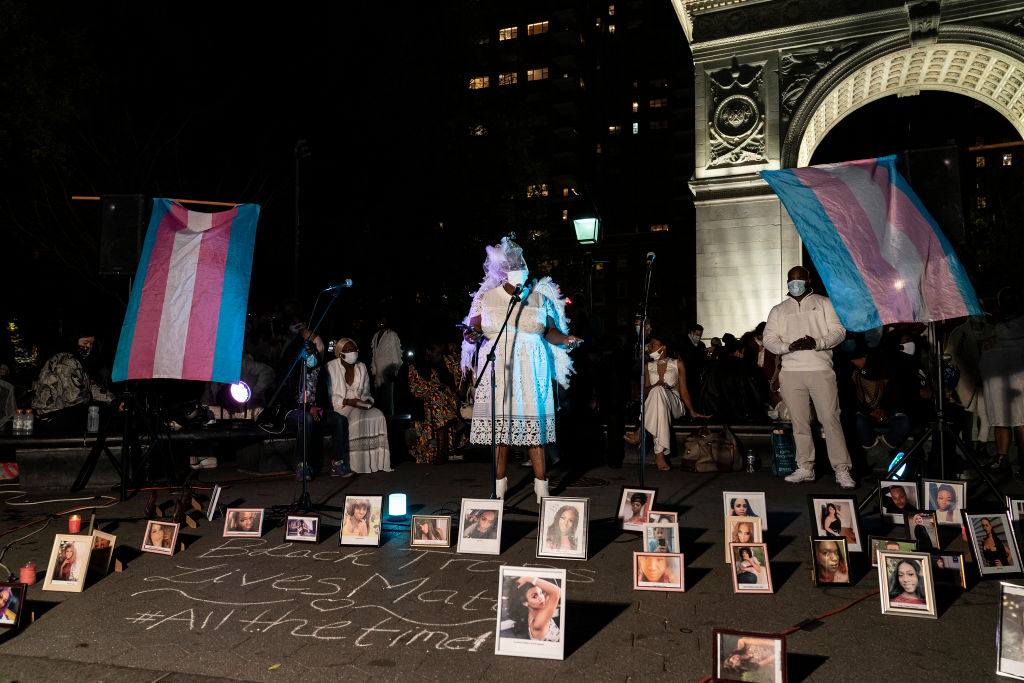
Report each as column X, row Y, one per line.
column 349, row 388
column 68, row 383
column 433, row 383
column 666, row 394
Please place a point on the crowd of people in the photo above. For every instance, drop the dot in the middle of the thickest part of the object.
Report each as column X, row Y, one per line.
column 869, row 391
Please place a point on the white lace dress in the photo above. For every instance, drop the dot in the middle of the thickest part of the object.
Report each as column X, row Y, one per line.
column 367, row 429
column 524, row 369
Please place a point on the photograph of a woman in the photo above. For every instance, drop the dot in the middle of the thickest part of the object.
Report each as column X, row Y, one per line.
column 836, row 517
column 992, row 543
column 749, row 657
column 430, row 530
column 658, row 571
column 750, row 568
column 945, row 499
column 160, row 537
column 531, row 612
column 302, row 528
column 634, row 504
column 563, row 530
column 66, row 568
column 741, row 530
column 480, row 526
column 243, row 522
column 69, row 561
column 830, row 561
column 745, row 504
column 905, row 584
column 922, row 527
column 361, row 524
column 661, row 538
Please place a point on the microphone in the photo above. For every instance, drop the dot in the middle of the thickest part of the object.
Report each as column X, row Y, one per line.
column 526, row 290
column 650, row 258
column 341, row 285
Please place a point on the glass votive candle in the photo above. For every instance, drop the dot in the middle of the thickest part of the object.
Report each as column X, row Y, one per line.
column 27, row 574
column 74, row 524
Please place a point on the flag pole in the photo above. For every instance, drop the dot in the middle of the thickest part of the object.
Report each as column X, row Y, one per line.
column 179, row 201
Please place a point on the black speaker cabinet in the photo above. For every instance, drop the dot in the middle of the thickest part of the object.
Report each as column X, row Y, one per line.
column 125, row 217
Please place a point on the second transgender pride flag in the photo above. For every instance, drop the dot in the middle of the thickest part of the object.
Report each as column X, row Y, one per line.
column 879, row 252
column 186, row 314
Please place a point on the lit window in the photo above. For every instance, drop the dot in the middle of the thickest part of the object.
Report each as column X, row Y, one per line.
column 982, row 202
column 659, row 82
column 636, row 107
column 611, row 28
column 979, row 162
column 658, row 125
column 659, row 102
column 611, row 10
column 636, row 128
column 479, row 82
column 537, row 74
column 540, row 190
column 660, row 227
column 614, row 130
column 565, row 214
column 508, row 79
column 485, row 40
column 565, row 191
column 598, row 22
column 478, row 130
column 598, row 150
column 537, row 28
column 1007, row 160
column 508, row 33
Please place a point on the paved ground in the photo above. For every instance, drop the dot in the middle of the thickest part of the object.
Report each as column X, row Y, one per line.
column 265, row 610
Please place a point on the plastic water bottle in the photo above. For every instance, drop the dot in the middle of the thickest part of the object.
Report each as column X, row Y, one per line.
column 753, row 462
column 18, row 423
column 30, row 421
column 92, row 423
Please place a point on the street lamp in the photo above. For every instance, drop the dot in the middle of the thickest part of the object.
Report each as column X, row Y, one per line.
column 588, row 229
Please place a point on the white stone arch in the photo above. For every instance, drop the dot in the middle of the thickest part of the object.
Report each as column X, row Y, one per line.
column 982, row 63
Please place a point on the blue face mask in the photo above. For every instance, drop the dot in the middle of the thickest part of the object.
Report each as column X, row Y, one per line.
column 797, row 287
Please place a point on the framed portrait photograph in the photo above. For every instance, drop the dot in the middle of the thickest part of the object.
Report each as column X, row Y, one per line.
column 834, row 517
column 361, row 523
column 1010, row 631
column 948, row 569
column 531, row 613
column 303, row 528
column 243, row 522
column 750, row 570
column 102, row 553
column 69, row 562
column 661, row 538
column 923, row 528
column 1016, row 508
column 745, row 504
column 744, row 656
column 885, row 543
column 896, row 498
column 662, row 517
column 830, row 562
column 12, row 600
column 905, row 584
column 562, row 528
column 741, row 530
column 480, row 526
column 634, row 504
column 945, row 498
column 658, row 572
column 993, row 543
column 211, row 508
column 434, row 530
column 160, row 537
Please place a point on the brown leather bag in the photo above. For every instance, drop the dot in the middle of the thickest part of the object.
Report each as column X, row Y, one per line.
column 698, row 453
column 727, row 451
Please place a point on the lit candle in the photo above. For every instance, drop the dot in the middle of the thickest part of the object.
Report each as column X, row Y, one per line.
column 74, row 524
column 28, row 573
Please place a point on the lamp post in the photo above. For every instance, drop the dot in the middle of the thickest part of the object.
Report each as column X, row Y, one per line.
column 588, row 233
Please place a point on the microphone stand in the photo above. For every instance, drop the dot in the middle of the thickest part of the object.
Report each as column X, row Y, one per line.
column 516, row 298
column 643, row 369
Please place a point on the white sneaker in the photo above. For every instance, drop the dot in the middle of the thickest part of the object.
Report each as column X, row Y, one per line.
column 801, row 475
column 844, row 479
column 197, row 462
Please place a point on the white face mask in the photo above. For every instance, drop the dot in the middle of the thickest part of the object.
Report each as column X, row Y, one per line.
column 797, row 287
column 517, row 278
column 655, row 355
column 909, row 348
column 294, row 329
column 350, row 357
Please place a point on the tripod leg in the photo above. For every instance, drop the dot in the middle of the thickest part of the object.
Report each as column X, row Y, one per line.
column 973, row 460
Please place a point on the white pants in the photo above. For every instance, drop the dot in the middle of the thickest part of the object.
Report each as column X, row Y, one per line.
column 661, row 407
column 798, row 389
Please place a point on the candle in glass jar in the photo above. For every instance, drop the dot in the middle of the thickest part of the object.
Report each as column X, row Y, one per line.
column 27, row 574
column 74, row 524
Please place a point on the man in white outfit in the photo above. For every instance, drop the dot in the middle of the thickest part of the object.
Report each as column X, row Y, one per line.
column 801, row 331
column 386, row 361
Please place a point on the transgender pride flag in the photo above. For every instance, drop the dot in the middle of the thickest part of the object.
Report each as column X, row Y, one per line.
column 186, row 315
column 879, row 252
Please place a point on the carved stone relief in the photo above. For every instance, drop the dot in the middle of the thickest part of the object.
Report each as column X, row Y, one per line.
column 736, row 133
column 799, row 69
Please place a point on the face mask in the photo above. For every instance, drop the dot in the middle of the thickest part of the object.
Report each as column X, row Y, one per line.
column 694, row 338
column 655, row 355
column 797, row 287
column 909, row 348
column 294, row 329
column 350, row 357
column 84, row 351
column 517, row 278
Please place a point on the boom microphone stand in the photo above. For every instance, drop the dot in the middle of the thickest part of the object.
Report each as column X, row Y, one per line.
column 643, row 364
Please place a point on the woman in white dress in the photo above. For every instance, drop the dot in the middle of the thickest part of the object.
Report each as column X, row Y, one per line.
column 531, row 353
column 666, row 394
column 349, row 386
column 1002, row 375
